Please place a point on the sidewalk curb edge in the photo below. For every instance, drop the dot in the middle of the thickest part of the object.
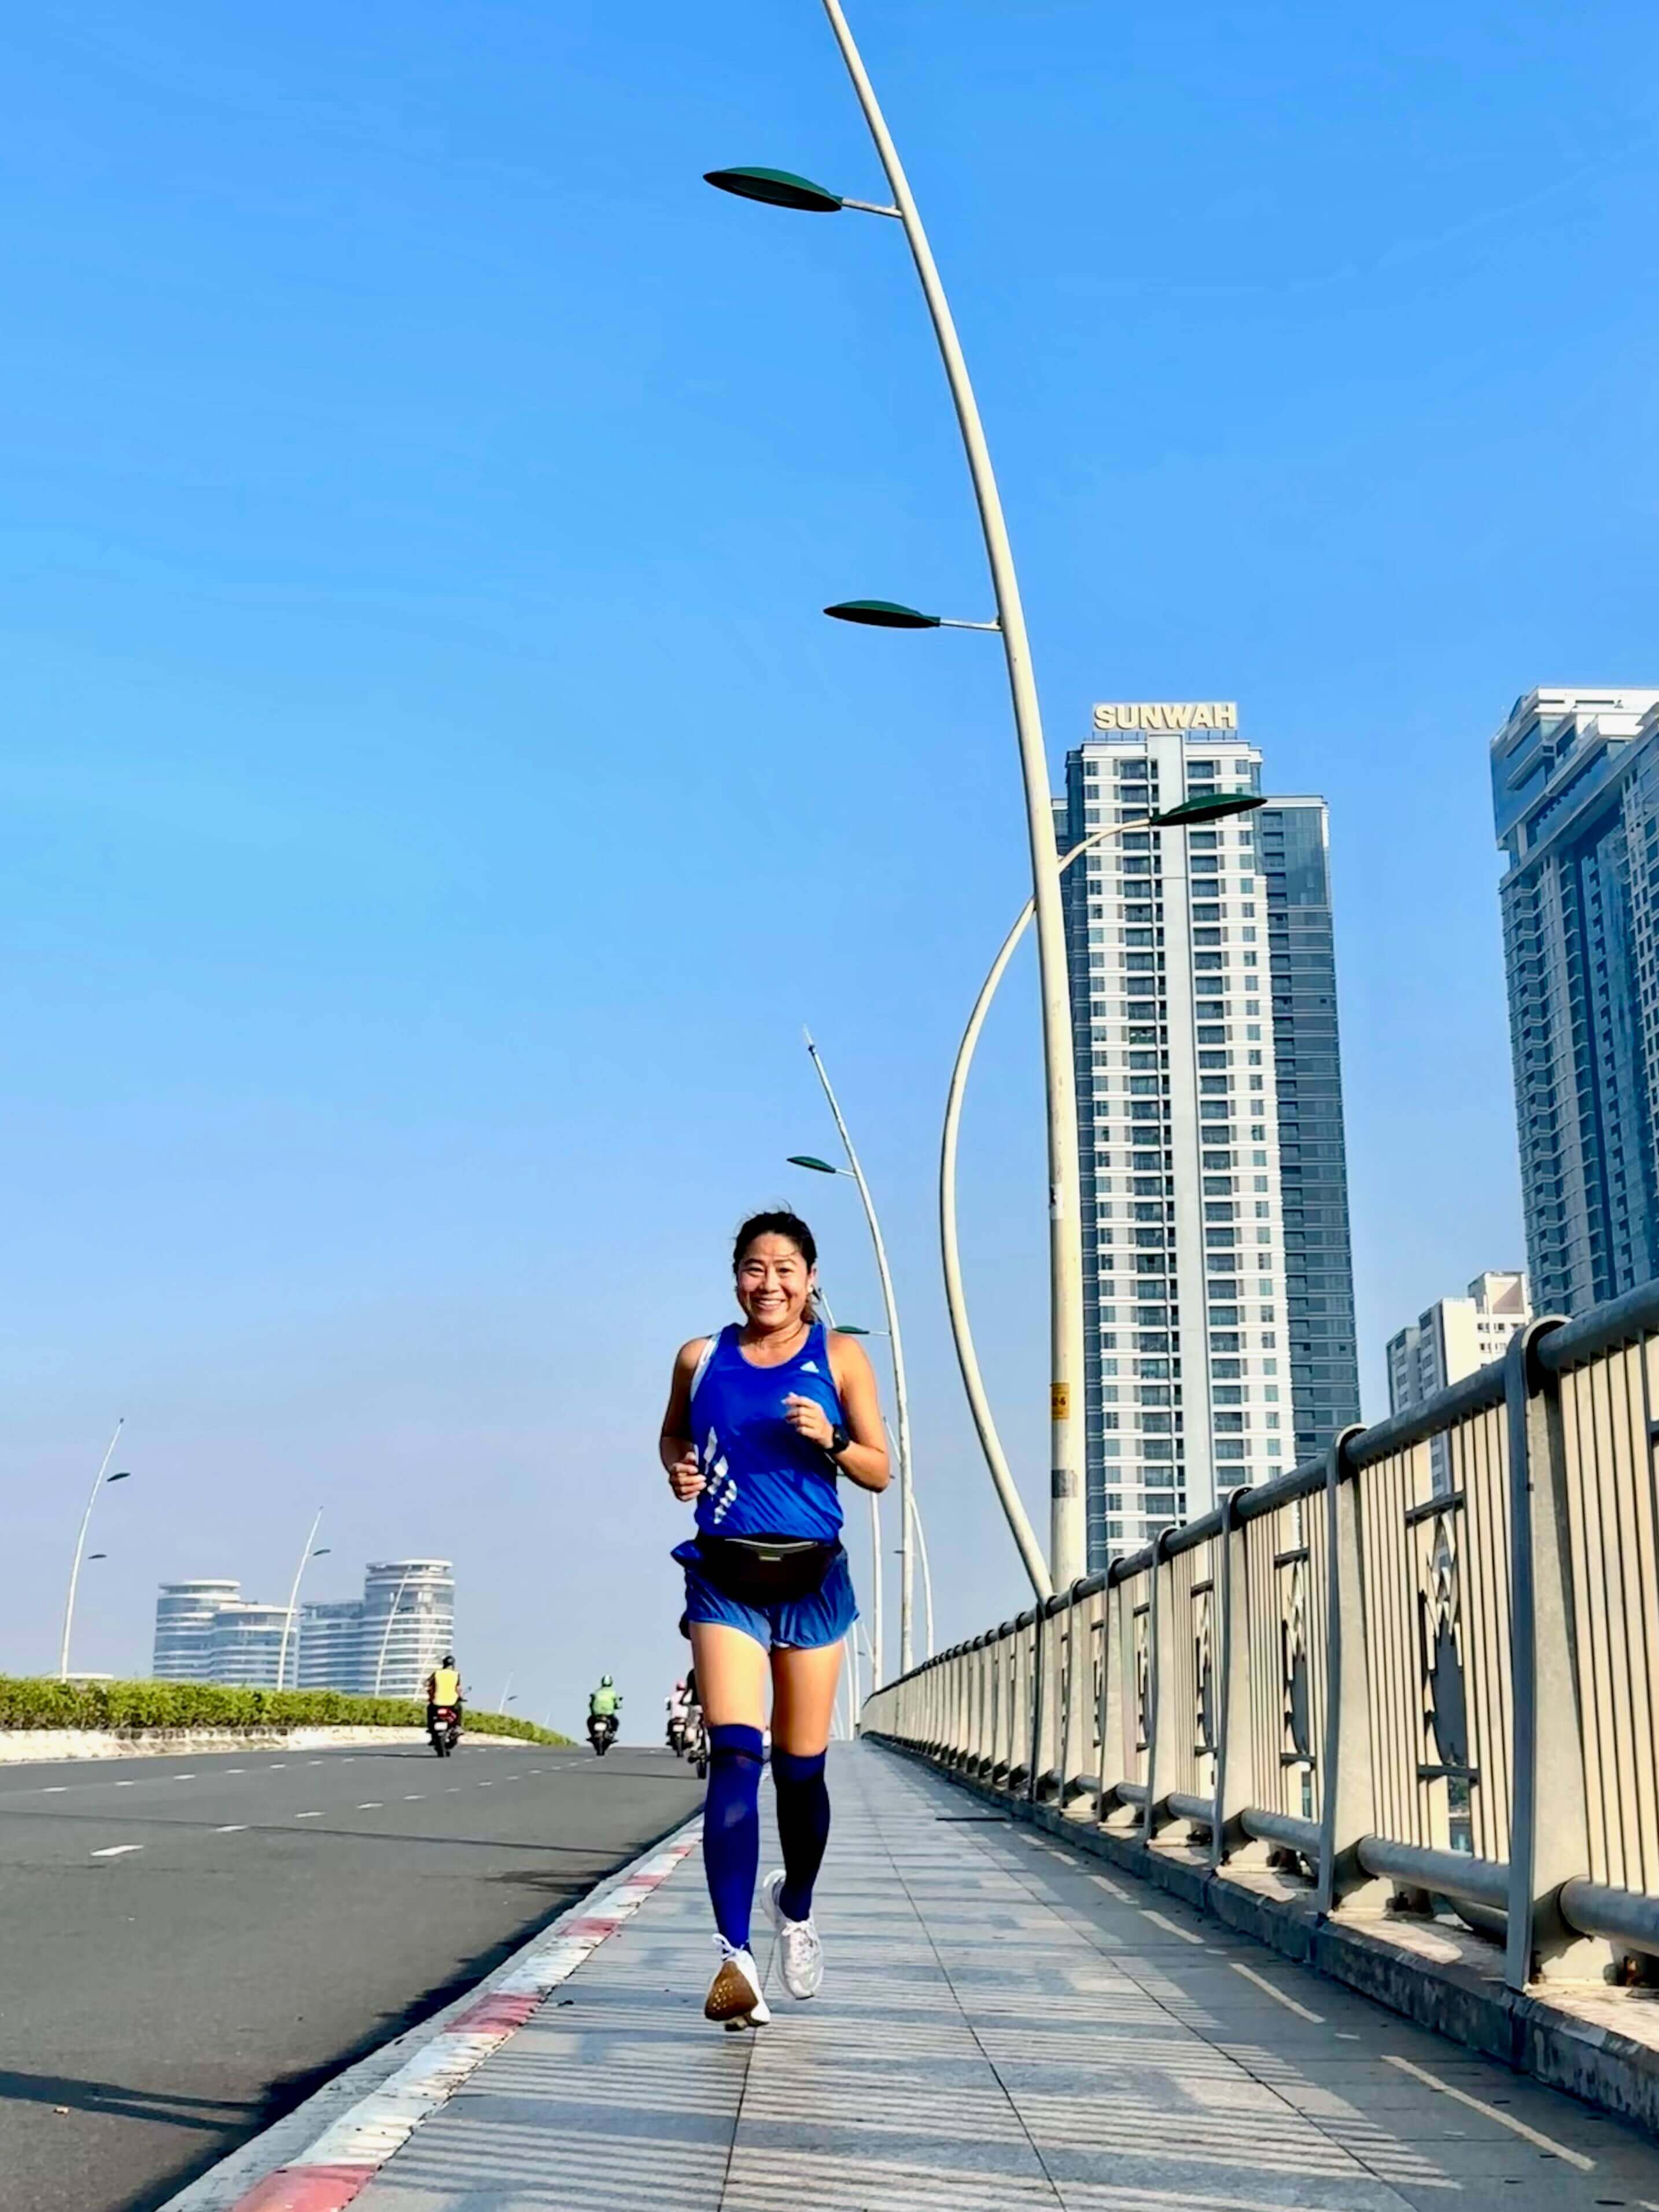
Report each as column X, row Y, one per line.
column 344, row 2134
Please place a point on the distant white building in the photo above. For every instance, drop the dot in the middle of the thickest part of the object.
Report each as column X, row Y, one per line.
column 408, row 1616
column 246, row 1644
column 1452, row 1338
column 389, row 1640
column 184, row 1614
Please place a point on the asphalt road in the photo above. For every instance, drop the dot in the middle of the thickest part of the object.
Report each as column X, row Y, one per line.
column 190, row 1947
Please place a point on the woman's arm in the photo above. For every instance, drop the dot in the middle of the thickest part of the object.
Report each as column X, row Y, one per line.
column 674, row 1446
column 864, row 1460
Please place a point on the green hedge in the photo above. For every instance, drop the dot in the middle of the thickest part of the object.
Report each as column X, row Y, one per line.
column 28, row 1702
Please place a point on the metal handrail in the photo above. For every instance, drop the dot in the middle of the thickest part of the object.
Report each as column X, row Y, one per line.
column 1414, row 1688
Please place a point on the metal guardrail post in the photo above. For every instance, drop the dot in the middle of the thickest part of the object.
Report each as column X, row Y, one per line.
column 1075, row 1704
column 1109, row 1720
column 1235, row 1755
column 1347, row 1804
column 1041, row 1702
column 1160, row 1724
column 1548, row 1766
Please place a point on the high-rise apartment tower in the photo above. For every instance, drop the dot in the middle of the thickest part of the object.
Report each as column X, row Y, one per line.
column 1200, row 998
column 1574, row 777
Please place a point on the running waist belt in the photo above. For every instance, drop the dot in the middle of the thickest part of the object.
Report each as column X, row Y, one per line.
column 765, row 1570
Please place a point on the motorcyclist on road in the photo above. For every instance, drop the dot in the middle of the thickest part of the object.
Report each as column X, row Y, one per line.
column 604, row 1706
column 443, row 1689
column 605, row 1701
column 677, row 1704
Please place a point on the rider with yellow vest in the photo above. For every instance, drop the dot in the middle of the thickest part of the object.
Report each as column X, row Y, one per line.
column 443, row 1687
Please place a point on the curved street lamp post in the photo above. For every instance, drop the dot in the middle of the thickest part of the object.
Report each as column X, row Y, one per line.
column 98, row 1484
column 306, row 1557
column 875, row 1641
column 385, row 1634
column 781, row 188
column 1188, row 814
column 901, row 1392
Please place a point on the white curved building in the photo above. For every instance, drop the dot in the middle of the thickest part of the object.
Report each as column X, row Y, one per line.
column 246, row 1645
column 185, row 1613
column 389, row 1639
column 408, row 1616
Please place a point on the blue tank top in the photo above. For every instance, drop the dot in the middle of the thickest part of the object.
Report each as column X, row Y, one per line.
column 763, row 1479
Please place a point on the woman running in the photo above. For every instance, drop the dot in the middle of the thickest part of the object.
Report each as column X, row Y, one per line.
column 761, row 1419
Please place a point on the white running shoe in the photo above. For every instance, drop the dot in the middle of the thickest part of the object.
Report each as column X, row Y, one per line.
column 734, row 1994
column 800, row 1951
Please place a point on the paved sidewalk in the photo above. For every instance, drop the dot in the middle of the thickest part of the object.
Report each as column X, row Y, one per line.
column 1002, row 2026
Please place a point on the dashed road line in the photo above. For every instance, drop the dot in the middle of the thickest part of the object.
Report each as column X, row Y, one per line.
column 413, row 1796
column 1278, row 1994
column 1490, row 2113
column 235, row 1828
column 373, row 1806
column 1112, row 1889
column 54, row 1789
column 307, row 1816
column 117, row 1851
column 1160, row 1921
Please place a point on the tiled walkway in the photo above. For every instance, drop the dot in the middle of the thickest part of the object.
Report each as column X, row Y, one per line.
column 1002, row 2026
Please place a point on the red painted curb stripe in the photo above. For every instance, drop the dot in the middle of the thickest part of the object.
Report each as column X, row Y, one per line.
column 504, row 2013
column 307, row 2189
column 330, row 2188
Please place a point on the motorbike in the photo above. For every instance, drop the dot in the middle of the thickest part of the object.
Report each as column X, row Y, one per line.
column 696, row 1742
column 676, row 1735
column 601, row 1732
column 444, row 1730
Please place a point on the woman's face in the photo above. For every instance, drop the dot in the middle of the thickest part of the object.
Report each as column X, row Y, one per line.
column 774, row 1282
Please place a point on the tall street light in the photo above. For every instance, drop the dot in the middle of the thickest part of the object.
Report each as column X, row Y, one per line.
column 901, row 1393
column 781, row 188
column 876, row 1640
column 306, row 1557
column 1207, row 807
column 385, row 1634
column 98, row 1483
column 920, row 1526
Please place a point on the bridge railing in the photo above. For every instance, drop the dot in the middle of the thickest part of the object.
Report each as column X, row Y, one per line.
column 1425, row 1665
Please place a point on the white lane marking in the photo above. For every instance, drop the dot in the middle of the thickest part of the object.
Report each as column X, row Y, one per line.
column 54, row 1789
column 117, row 1851
column 1343, row 2035
column 453, row 1790
column 307, row 1816
column 313, row 1762
column 486, row 1785
column 1490, row 2113
column 236, row 1828
column 413, row 1796
column 373, row 1806
column 126, row 1785
column 184, row 1778
column 1112, row 1889
column 1158, row 1921
column 278, row 1764
column 236, row 1770
column 1278, row 1994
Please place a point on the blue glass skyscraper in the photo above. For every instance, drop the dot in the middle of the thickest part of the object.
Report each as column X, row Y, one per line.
column 1575, row 780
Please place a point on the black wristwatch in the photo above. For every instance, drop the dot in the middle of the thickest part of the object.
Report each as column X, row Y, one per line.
column 839, row 1440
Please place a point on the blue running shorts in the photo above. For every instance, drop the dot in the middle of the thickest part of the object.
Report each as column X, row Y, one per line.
column 799, row 1624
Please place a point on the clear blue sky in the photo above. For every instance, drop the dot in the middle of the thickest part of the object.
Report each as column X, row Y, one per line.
column 432, row 802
